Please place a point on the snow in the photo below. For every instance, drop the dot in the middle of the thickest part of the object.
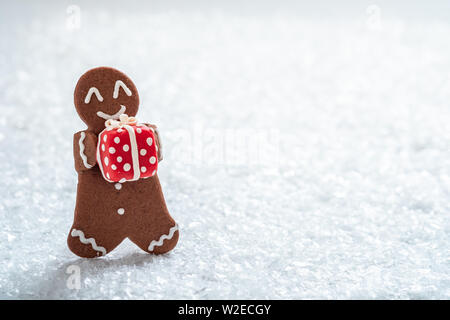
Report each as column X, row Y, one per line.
column 304, row 157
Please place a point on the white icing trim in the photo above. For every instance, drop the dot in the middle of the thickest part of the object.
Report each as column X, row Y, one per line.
column 114, row 116
column 168, row 236
column 134, row 152
column 119, row 83
column 89, row 95
column 82, row 155
column 79, row 233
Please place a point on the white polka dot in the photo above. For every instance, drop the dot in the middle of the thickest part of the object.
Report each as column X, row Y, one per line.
column 152, row 160
column 106, row 161
column 126, row 167
column 104, row 138
column 143, row 152
column 112, row 150
column 118, row 186
column 121, row 211
column 143, row 169
column 103, row 147
column 119, row 159
column 113, row 166
column 138, row 130
column 126, row 147
column 153, row 173
column 120, row 130
column 116, row 139
column 107, row 175
column 149, row 141
column 122, row 180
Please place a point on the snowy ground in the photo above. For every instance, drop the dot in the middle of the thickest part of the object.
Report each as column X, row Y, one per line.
column 304, row 157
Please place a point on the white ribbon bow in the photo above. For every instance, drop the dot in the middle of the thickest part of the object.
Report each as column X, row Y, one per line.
column 124, row 119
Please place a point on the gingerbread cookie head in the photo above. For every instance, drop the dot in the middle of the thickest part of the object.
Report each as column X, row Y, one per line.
column 104, row 93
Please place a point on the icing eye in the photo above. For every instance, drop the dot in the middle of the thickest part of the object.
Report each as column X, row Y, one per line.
column 89, row 95
column 119, row 83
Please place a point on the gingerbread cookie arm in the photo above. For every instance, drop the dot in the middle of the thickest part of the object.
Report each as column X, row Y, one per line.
column 158, row 140
column 84, row 150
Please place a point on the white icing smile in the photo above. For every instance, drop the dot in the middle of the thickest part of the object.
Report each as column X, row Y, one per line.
column 112, row 116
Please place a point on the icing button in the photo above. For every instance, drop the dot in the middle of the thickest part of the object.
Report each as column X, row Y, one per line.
column 121, row 211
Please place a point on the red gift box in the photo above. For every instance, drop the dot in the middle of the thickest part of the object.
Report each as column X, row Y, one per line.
column 126, row 151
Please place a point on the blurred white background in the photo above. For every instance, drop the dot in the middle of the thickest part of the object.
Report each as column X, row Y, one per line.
column 306, row 146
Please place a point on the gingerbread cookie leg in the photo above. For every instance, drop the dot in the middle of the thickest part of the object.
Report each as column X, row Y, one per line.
column 165, row 242
column 157, row 242
column 90, row 244
column 90, row 238
column 152, row 228
column 98, row 226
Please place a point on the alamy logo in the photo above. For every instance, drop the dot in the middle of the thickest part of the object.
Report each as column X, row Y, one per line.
column 373, row 20
column 73, row 19
column 74, row 280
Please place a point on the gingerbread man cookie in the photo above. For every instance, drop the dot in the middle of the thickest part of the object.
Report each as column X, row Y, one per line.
column 118, row 195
